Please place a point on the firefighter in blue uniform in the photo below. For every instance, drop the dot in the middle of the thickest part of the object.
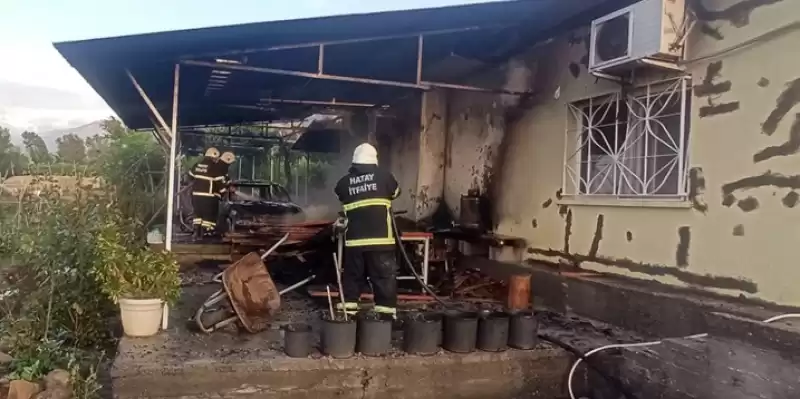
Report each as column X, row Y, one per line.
column 366, row 193
column 208, row 180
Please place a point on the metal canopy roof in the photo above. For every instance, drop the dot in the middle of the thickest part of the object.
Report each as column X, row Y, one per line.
column 228, row 73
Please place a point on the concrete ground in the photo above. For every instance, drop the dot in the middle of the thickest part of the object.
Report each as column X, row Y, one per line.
column 181, row 363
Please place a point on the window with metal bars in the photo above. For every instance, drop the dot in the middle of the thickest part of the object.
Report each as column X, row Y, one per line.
column 630, row 144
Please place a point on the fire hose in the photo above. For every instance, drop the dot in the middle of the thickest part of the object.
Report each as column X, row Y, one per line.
column 409, row 265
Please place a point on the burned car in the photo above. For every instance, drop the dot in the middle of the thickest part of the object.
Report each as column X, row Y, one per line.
column 251, row 205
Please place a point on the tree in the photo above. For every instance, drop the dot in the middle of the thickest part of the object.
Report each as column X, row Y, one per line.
column 36, row 148
column 96, row 146
column 71, row 148
column 133, row 164
column 12, row 161
column 114, row 128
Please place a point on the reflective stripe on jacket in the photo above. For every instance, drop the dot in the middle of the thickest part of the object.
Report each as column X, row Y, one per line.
column 366, row 193
column 209, row 177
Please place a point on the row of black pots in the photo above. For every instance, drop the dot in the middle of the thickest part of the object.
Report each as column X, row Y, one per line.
column 463, row 332
column 492, row 332
column 371, row 336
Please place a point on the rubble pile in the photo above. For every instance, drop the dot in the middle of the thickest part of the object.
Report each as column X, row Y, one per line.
column 474, row 284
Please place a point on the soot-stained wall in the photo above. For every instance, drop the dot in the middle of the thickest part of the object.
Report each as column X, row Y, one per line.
column 476, row 127
column 399, row 148
column 737, row 231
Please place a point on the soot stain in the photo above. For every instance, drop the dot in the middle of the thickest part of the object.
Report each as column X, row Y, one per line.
column 567, row 231
column 629, row 236
column 708, row 86
column 697, row 187
column 791, row 199
column 559, row 194
column 706, row 280
column 728, row 200
column 790, row 147
column 785, row 102
column 763, row 82
column 766, row 179
column 712, row 89
column 574, row 70
column 711, row 31
column 738, row 230
column 547, row 203
column 748, row 204
column 682, row 251
column 598, row 236
column 534, row 223
column 562, row 210
column 718, row 109
column 737, row 14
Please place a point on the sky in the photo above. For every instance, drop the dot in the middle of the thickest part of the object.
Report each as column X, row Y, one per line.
column 40, row 91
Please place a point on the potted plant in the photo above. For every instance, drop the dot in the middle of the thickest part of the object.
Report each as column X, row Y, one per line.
column 140, row 280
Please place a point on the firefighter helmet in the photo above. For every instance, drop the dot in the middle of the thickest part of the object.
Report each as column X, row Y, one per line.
column 365, row 154
column 212, row 152
column 227, row 157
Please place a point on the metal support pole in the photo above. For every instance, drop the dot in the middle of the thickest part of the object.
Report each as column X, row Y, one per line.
column 271, row 165
column 340, row 42
column 312, row 75
column 253, row 173
column 172, row 155
column 423, row 85
column 321, row 59
column 149, row 103
column 420, row 47
column 307, row 171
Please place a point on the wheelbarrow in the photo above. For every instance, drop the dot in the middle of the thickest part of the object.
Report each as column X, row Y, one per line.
column 248, row 296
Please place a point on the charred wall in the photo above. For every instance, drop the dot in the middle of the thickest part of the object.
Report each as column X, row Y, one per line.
column 476, row 132
column 399, row 144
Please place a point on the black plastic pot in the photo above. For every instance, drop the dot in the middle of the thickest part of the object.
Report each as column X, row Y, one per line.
column 493, row 332
column 374, row 335
column 297, row 340
column 338, row 338
column 422, row 334
column 460, row 331
column 522, row 330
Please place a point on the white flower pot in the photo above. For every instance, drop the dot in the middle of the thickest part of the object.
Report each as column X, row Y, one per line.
column 141, row 317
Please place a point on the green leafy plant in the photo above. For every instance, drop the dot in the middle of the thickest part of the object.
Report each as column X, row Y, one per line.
column 132, row 164
column 134, row 273
column 56, row 280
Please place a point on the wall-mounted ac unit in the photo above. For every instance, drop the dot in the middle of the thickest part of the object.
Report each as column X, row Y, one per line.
column 648, row 32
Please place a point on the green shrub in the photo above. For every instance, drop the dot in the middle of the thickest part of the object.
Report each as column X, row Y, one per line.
column 56, row 313
column 135, row 273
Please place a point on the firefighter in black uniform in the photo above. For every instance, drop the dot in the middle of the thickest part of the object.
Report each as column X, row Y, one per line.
column 366, row 193
column 208, row 181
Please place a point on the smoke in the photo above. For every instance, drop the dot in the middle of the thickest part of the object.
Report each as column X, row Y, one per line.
column 321, row 212
column 322, row 204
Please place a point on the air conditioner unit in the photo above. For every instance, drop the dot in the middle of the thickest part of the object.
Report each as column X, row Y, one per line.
column 648, row 32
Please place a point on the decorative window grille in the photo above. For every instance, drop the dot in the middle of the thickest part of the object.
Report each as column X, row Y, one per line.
column 630, row 144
